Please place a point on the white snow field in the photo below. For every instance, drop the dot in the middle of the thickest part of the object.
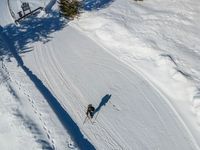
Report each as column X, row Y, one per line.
column 136, row 62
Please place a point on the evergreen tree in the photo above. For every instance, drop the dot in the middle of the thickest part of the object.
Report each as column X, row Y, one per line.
column 69, row 8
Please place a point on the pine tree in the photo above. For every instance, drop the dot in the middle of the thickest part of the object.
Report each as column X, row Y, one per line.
column 69, row 8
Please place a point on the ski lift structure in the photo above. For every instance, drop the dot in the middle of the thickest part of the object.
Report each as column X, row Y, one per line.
column 26, row 12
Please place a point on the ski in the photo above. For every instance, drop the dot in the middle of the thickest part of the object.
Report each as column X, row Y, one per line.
column 90, row 119
column 85, row 120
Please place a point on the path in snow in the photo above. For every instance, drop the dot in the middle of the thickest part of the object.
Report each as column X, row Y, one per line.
column 79, row 72
column 62, row 115
column 42, row 125
column 6, row 17
column 16, row 123
column 161, row 42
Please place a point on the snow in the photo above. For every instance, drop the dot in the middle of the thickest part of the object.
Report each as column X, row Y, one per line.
column 159, row 42
column 137, row 63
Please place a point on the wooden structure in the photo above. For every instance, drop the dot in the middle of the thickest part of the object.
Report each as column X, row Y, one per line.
column 20, row 14
column 27, row 14
column 25, row 7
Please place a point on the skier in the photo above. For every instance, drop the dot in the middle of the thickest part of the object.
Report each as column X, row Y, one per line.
column 90, row 111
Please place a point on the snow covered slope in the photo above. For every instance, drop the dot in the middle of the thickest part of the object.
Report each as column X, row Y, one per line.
column 51, row 70
column 79, row 72
column 160, row 39
column 6, row 17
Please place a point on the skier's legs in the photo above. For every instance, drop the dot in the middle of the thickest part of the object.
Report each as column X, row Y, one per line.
column 91, row 114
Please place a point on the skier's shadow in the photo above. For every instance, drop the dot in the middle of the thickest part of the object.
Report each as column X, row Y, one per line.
column 103, row 102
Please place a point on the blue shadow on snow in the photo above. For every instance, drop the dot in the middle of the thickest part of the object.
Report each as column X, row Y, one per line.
column 103, row 102
column 90, row 5
column 35, row 30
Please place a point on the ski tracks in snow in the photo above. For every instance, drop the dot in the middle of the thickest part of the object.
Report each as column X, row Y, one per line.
column 39, row 87
column 54, row 74
column 16, row 108
column 54, row 70
column 23, row 90
column 36, row 112
column 68, row 93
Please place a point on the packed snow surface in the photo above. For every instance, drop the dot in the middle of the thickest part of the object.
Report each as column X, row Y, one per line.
column 136, row 62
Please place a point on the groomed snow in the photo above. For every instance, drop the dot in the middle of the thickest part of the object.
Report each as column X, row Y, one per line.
column 129, row 59
column 159, row 39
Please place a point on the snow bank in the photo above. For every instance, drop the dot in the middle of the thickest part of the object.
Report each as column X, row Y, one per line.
column 158, row 42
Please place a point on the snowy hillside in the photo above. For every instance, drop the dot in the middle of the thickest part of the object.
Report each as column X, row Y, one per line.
column 136, row 62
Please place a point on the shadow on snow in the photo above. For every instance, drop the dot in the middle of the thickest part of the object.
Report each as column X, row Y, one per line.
column 35, row 130
column 90, row 5
column 33, row 29
column 103, row 102
column 17, row 39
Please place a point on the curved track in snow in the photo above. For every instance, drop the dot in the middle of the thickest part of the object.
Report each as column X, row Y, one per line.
column 6, row 17
column 80, row 72
column 76, row 71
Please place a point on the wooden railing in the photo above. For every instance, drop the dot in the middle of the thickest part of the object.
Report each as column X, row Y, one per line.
column 28, row 14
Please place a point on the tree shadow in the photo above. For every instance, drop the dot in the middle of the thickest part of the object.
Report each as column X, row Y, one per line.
column 103, row 102
column 16, row 40
column 29, row 124
column 33, row 29
column 90, row 5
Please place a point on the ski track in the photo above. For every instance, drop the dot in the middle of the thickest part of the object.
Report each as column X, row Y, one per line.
column 166, row 98
column 51, row 70
column 72, row 95
column 36, row 112
column 6, row 16
column 17, row 114
column 56, row 75
column 61, row 113
column 12, row 14
column 54, row 68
